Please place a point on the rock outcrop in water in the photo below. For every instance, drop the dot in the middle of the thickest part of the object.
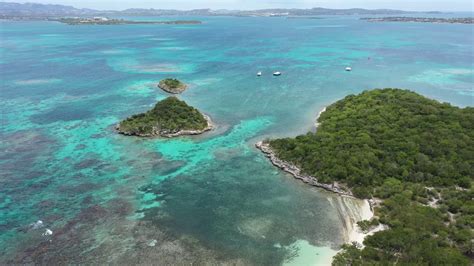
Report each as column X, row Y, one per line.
column 172, row 86
column 169, row 118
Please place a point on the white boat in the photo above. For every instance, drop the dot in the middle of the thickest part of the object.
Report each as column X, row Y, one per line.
column 276, row 73
column 259, row 73
column 348, row 68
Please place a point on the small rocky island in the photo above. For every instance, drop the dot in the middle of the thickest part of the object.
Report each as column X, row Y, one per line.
column 172, row 86
column 170, row 117
column 422, row 20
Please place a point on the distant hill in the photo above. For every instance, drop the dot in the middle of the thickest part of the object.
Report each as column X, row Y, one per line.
column 8, row 10
column 32, row 9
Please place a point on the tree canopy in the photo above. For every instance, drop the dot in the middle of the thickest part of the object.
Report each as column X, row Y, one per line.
column 416, row 154
column 172, row 85
column 170, row 115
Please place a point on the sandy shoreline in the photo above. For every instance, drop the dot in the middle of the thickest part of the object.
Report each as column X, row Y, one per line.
column 350, row 217
column 353, row 233
column 317, row 117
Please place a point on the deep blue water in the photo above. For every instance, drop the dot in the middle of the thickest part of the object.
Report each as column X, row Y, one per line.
column 207, row 199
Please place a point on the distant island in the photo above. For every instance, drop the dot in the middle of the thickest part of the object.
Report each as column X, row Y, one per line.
column 170, row 117
column 172, row 86
column 303, row 17
column 413, row 158
column 423, row 20
column 109, row 21
column 34, row 11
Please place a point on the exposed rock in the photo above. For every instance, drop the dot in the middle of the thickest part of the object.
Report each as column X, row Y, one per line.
column 172, row 86
column 162, row 133
column 296, row 172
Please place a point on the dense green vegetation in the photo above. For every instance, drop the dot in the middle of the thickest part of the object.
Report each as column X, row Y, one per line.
column 172, row 85
column 169, row 116
column 415, row 154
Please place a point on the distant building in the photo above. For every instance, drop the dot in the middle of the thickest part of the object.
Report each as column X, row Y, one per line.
column 100, row 19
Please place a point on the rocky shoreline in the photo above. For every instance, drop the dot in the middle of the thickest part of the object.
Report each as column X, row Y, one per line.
column 354, row 233
column 296, row 172
column 158, row 133
column 162, row 85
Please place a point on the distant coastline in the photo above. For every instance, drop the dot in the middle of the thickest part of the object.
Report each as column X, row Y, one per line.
column 34, row 11
column 422, row 20
column 109, row 21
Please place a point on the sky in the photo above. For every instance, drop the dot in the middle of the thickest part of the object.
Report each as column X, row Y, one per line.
column 414, row 5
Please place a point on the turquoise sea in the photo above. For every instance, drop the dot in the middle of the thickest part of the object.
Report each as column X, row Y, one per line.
column 209, row 199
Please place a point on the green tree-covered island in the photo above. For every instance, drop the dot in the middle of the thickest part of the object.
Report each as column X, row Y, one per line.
column 170, row 117
column 172, row 86
column 413, row 158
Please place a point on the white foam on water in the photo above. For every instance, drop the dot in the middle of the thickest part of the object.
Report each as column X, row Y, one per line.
column 36, row 225
column 48, row 232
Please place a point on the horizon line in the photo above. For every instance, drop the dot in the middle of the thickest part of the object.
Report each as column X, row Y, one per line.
column 243, row 9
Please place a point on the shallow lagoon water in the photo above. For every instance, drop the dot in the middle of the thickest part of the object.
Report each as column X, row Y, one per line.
column 210, row 198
